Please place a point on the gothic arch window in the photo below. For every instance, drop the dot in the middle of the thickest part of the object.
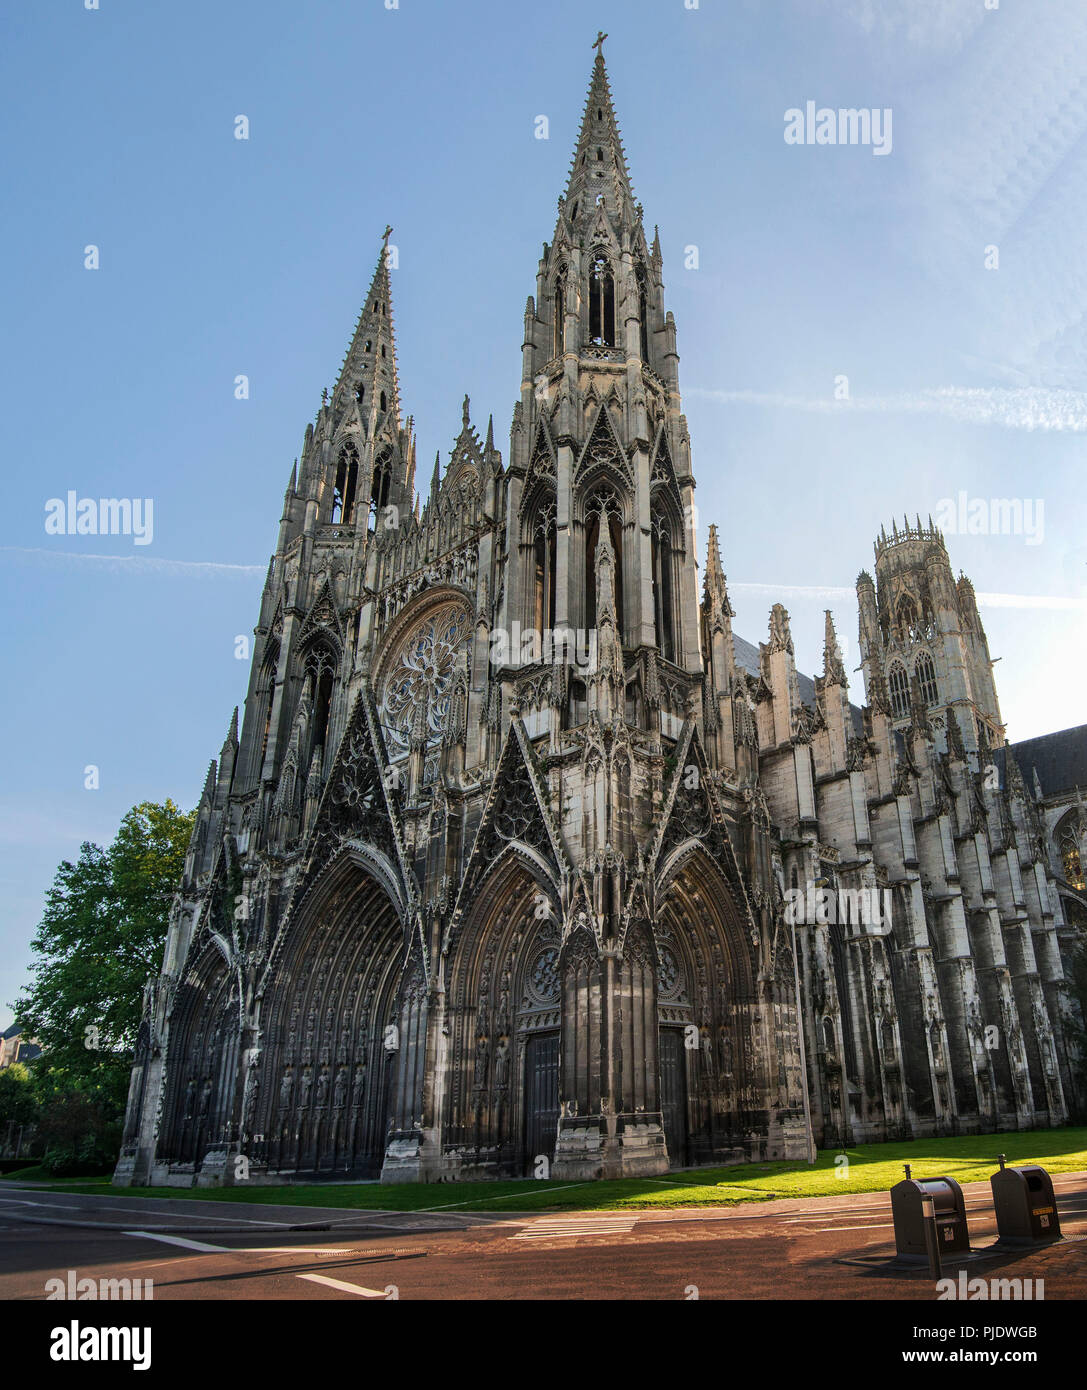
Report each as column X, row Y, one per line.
column 601, row 301
column 369, row 346
column 379, row 491
column 907, row 626
column 384, row 401
column 899, row 686
column 663, row 581
column 542, row 615
column 578, row 704
column 267, row 688
column 360, row 392
column 1068, row 848
column 603, row 510
column 343, row 494
column 320, row 667
column 643, row 314
column 383, row 349
column 828, row 1036
column 560, row 313
column 926, row 676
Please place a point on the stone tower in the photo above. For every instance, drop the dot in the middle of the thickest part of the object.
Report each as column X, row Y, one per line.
column 921, row 638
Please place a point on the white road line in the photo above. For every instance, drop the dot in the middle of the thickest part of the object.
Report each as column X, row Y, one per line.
column 342, row 1285
column 179, row 1240
column 241, row 1249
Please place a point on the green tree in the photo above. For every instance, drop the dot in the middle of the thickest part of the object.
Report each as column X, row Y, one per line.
column 18, row 1105
column 101, row 935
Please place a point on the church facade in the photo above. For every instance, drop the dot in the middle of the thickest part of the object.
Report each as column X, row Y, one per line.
column 522, row 863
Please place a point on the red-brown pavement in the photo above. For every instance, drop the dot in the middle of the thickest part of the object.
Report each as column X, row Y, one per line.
column 786, row 1249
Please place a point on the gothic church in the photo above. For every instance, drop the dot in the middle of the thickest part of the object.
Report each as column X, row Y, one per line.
column 492, row 880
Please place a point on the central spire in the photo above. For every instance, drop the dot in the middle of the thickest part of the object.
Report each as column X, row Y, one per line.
column 599, row 170
column 369, row 373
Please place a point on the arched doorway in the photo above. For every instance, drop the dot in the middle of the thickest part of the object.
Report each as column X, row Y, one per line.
column 202, row 1062
column 503, row 1014
column 331, row 1043
column 713, row 1087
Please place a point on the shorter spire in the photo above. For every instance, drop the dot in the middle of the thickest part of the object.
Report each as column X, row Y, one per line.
column 833, row 666
column 715, row 586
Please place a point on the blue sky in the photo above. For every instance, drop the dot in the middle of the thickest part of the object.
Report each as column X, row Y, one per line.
column 221, row 257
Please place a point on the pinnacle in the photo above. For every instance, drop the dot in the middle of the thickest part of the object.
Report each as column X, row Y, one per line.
column 715, row 575
column 832, row 652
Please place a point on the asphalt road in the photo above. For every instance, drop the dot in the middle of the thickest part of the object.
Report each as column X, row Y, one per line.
column 778, row 1250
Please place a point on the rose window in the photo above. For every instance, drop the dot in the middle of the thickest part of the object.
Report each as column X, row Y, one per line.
column 669, row 975
column 419, row 683
column 543, row 976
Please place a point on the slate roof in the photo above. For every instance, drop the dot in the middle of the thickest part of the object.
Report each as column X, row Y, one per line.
column 747, row 656
column 1059, row 759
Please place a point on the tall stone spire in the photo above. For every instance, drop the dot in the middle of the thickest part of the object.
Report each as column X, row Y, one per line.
column 599, row 167
column 370, row 364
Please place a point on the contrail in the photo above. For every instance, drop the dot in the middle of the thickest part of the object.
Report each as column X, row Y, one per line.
column 1012, row 407
column 119, row 564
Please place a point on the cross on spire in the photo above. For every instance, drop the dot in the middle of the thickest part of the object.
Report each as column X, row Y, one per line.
column 387, row 233
column 599, row 43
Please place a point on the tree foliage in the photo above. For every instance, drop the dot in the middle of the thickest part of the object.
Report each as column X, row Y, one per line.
column 101, row 935
column 18, row 1105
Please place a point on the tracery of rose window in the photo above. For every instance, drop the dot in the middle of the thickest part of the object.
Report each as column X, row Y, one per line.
column 420, row 678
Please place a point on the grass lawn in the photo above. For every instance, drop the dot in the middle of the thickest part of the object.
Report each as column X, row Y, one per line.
column 871, row 1168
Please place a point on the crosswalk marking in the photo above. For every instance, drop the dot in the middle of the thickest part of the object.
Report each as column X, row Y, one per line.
column 560, row 1227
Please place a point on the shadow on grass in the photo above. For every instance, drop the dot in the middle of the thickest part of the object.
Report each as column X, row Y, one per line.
column 866, row 1168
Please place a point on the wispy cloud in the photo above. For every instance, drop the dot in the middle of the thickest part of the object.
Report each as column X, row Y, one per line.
column 1015, row 408
column 933, row 27
column 134, row 564
column 829, row 591
column 792, row 590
